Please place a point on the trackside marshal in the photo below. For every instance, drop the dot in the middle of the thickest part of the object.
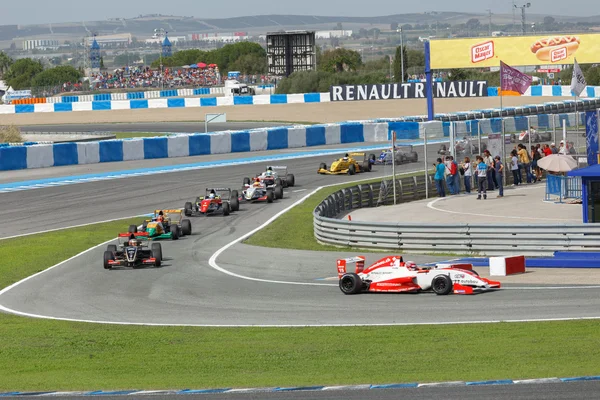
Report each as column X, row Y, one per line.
column 412, row 90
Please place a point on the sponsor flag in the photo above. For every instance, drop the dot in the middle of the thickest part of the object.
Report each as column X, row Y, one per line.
column 578, row 83
column 513, row 80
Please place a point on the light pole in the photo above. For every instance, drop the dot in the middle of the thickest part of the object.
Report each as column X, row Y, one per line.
column 490, row 22
column 523, row 7
column 401, row 52
column 160, row 33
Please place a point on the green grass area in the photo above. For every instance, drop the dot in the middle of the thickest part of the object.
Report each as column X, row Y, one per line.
column 38, row 354
column 294, row 229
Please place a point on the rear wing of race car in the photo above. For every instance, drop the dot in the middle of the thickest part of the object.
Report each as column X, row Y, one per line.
column 358, row 155
column 173, row 211
column 138, row 235
column 344, row 262
column 280, row 168
column 219, row 192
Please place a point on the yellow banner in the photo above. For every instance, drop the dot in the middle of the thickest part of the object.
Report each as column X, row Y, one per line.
column 515, row 51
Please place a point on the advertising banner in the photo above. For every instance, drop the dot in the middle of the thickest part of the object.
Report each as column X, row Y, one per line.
column 412, row 90
column 515, row 51
column 591, row 135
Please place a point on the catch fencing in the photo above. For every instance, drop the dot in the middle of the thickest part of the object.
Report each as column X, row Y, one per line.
column 463, row 238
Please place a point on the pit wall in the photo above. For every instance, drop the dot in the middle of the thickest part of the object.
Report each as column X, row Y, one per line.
column 175, row 99
column 277, row 138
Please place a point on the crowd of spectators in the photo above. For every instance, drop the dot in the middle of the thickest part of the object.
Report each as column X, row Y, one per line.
column 146, row 77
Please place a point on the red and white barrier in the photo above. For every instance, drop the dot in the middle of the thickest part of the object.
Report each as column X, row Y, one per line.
column 503, row 266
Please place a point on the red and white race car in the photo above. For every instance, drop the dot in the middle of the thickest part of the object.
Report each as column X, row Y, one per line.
column 393, row 275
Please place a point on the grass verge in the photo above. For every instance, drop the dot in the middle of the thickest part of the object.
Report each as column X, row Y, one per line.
column 277, row 234
column 40, row 355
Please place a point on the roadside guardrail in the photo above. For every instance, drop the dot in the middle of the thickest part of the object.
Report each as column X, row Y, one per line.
column 464, row 238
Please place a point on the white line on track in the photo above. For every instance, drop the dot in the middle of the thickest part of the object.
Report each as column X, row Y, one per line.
column 69, row 227
column 431, row 205
column 213, row 264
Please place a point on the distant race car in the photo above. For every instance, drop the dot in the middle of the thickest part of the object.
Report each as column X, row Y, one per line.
column 393, row 275
column 462, row 147
column 275, row 175
column 215, row 201
column 402, row 155
column 350, row 164
column 258, row 190
column 172, row 227
column 536, row 137
column 133, row 252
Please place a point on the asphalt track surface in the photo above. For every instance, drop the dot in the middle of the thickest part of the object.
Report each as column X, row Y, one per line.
column 186, row 290
column 523, row 391
column 270, row 286
column 179, row 127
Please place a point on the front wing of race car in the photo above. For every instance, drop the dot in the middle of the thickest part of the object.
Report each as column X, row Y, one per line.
column 324, row 171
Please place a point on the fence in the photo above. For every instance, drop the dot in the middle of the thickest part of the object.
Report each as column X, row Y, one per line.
column 488, row 239
column 565, row 187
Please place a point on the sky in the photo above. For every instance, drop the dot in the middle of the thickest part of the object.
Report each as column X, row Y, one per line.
column 44, row 11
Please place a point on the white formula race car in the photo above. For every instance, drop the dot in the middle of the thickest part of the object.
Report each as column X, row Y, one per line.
column 393, row 275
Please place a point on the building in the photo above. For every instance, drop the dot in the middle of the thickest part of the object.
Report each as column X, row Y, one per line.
column 106, row 40
column 333, row 34
column 228, row 37
column 31, row 44
column 159, row 40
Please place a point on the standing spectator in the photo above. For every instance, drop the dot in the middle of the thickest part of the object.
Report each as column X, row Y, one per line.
column 468, row 174
column 489, row 161
column 535, row 157
column 525, row 163
column 499, row 171
column 547, row 150
column 451, row 171
column 456, row 176
column 562, row 148
column 553, row 148
column 514, row 167
column 482, row 170
column 440, row 170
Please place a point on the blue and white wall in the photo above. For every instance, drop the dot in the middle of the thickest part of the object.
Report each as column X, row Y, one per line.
column 184, row 145
column 172, row 99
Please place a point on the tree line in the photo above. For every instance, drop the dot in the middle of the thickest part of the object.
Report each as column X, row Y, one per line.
column 27, row 73
column 247, row 57
column 346, row 67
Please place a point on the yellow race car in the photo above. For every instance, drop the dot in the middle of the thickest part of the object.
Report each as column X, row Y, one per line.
column 350, row 164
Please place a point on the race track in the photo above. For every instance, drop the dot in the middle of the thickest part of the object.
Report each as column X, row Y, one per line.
column 244, row 285
column 178, row 127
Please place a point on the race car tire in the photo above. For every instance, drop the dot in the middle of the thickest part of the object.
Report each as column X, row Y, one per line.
column 235, row 204
column 415, row 158
column 441, row 285
column 157, row 251
column 351, row 284
column 278, row 192
column 351, row 169
column 246, row 181
column 366, row 166
column 108, row 256
column 226, row 209
column 157, row 260
column 144, row 226
column 270, row 196
column 372, row 158
column 322, row 166
column 186, row 227
column 290, row 180
column 132, row 229
column 279, row 182
column 112, row 248
column 175, row 233
column 187, row 209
